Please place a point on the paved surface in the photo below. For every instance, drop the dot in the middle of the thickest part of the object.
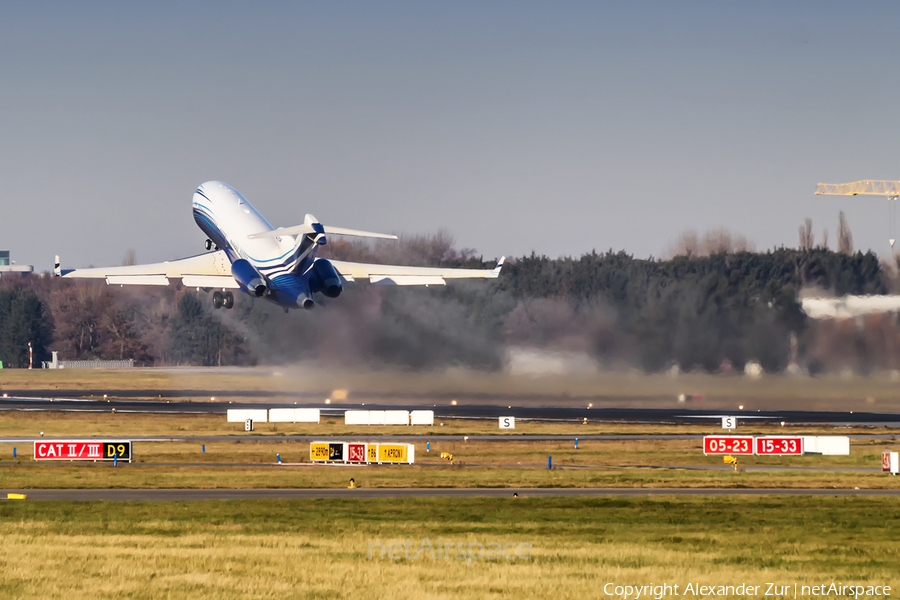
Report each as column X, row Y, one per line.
column 301, row 494
column 464, row 411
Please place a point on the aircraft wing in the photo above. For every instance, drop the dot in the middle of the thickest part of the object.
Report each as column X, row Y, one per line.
column 209, row 270
column 398, row 275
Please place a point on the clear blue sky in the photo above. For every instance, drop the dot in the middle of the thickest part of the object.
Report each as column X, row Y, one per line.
column 557, row 127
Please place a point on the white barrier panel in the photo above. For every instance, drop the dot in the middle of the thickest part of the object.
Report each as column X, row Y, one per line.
column 239, row 415
column 281, row 415
column 396, row 417
column 421, row 417
column 826, row 445
column 833, row 445
column 356, row 417
column 376, row 417
column 293, row 415
column 810, row 444
column 307, row 415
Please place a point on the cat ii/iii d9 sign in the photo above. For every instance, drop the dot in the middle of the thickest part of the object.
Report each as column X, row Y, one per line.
column 82, row 450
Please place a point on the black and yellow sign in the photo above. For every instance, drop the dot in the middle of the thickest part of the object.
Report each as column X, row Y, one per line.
column 392, row 452
column 336, row 451
column 117, row 450
column 318, row 451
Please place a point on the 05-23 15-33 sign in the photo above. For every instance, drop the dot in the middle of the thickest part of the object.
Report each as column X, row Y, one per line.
column 82, row 450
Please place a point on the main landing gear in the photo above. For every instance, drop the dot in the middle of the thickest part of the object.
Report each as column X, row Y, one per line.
column 223, row 299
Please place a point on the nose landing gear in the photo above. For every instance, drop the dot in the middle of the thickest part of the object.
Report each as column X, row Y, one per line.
column 221, row 299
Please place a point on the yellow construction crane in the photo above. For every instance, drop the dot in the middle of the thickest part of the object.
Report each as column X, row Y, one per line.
column 868, row 187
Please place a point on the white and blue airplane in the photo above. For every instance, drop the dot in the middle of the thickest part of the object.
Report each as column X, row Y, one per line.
column 279, row 265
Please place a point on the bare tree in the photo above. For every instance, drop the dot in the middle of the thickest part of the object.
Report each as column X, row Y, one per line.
column 130, row 258
column 825, row 238
column 716, row 241
column 688, row 244
column 721, row 240
column 845, row 238
column 806, row 235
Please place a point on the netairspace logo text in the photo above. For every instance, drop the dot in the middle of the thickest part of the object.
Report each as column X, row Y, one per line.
column 445, row 550
column 794, row 590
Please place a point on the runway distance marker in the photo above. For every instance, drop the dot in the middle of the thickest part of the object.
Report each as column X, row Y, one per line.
column 720, row 444
column 779, row 445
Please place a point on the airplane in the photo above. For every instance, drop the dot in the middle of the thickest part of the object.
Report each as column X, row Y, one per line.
column 280, row 265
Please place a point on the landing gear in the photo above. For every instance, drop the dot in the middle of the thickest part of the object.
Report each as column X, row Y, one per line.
column 223, row 299
column 209, row 244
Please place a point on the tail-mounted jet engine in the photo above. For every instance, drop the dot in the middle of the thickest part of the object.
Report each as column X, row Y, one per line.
column 325, row 279
column 248, row 277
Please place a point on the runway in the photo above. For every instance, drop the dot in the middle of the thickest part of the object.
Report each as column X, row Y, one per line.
column 462, row 411
column 118, row 495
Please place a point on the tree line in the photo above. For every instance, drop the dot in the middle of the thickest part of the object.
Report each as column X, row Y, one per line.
column 703, row 310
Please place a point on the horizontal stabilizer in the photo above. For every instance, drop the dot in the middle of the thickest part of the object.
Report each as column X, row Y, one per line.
column 310, row 228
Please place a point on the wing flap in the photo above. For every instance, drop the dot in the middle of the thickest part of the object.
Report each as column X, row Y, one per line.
column 210, row 281
column 406, row 280
column 137, row 280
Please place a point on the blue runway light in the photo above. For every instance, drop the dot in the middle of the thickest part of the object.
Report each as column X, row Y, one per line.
column 550, row 462
column 14, row 452
column 204, row 448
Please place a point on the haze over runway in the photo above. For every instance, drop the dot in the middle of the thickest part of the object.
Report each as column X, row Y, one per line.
column 548, row 127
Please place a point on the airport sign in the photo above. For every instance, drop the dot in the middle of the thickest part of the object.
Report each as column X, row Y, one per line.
column 779, row 445
column 361, row 452
column 82, row 450
column 728, row 444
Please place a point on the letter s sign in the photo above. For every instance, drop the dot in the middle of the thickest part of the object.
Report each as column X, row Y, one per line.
column 507, row 422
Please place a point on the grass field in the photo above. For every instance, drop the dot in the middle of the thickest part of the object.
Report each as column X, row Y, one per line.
column 321, row 548
column 510, row 463
column 43, row 476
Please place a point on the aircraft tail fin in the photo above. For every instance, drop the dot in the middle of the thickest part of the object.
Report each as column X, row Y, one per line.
column 312, row 226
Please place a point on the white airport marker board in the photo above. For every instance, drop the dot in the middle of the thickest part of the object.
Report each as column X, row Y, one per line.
column 235, row 415
column 507, row 422
column 729, row 422
column 890, row 462
column 294, row 415
column 421, row 417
